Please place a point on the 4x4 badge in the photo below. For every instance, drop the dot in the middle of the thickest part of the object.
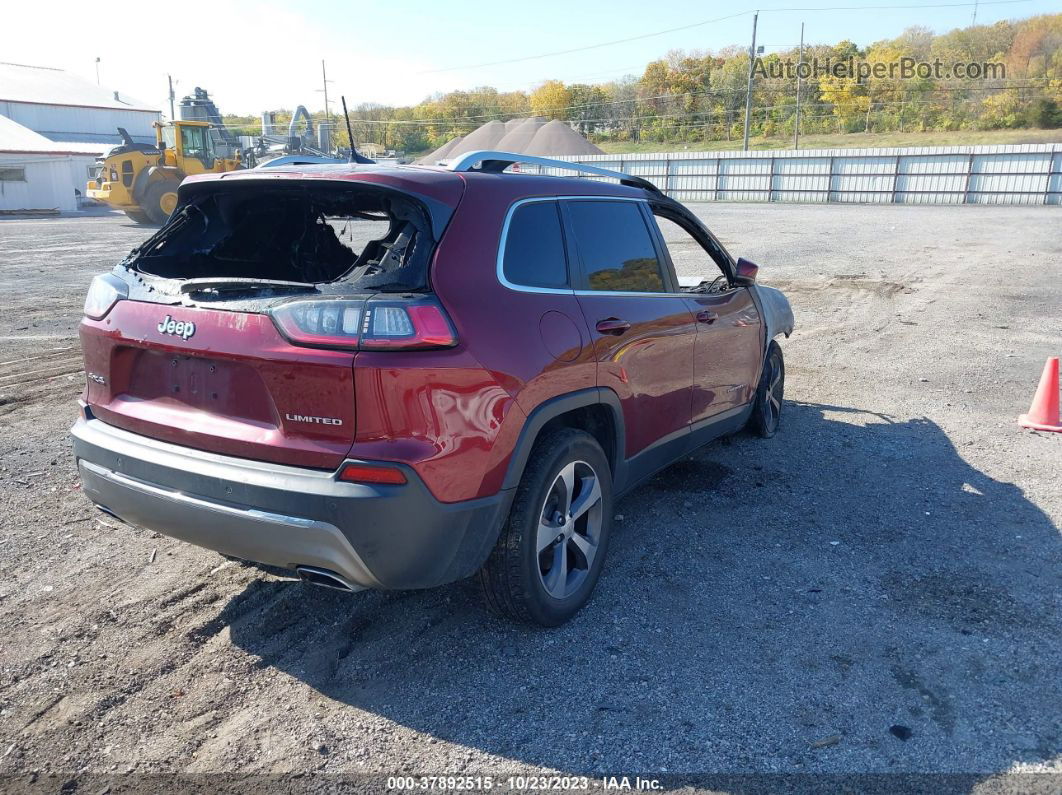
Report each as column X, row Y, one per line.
column 179, row 328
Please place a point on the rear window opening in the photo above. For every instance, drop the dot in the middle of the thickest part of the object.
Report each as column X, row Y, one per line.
column 371, row 237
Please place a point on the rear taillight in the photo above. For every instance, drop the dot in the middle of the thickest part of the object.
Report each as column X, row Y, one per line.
column 393, row 324
column 374, row 324
column 331, row 323
column 105, row 291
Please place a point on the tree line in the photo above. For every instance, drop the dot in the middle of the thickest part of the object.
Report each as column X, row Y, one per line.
column 700, row 96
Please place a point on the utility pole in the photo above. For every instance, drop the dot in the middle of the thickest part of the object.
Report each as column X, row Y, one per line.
column 325, row 81
column 97, row 70
column 328, row 116
column 172, row 97
column 974, row 20
column 796, row 126
column 748, row 93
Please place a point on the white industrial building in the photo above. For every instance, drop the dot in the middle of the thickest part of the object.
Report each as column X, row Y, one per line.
column 35, row 173
column 53, row 126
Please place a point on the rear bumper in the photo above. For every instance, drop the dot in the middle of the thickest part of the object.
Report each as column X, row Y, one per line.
column 373, row 536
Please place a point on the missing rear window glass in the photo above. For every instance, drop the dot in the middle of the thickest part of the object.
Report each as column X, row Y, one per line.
column 375, row 238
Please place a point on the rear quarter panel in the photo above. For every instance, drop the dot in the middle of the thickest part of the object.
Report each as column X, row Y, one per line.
column 532, row 346
column 442, row 413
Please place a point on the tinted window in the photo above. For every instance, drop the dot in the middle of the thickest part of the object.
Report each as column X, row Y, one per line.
column 534, row 249
column 616, row 249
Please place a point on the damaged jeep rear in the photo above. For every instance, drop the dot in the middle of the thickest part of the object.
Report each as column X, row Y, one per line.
column 241, row 317
column 399, row 377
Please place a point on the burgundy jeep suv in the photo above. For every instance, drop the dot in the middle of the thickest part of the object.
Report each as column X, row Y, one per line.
column 400, row 377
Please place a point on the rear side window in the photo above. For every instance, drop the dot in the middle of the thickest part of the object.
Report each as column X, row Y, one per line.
column 534, row 247
column 615, row 247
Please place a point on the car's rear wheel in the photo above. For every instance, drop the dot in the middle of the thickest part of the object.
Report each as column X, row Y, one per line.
column 767, row 405
column 549, row 555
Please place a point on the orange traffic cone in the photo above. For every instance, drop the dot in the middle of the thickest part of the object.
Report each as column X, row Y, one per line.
column 1043, row 413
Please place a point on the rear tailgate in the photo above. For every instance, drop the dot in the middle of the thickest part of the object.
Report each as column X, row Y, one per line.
column 233, row 385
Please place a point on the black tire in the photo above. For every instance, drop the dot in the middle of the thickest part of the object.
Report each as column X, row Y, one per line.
column 138, row 216
column 513, row 581
column 154, row 198
column 767, row 405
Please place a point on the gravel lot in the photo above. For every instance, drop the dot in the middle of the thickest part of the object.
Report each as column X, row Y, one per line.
column 876, row 589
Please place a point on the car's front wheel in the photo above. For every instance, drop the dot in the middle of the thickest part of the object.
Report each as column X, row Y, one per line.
column 767, row 405
column 549, row 555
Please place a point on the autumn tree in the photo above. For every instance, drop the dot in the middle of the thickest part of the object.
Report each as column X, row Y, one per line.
column 701, row 95
column 551, row 99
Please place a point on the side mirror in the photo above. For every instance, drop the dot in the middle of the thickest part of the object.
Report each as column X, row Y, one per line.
column 745, row 271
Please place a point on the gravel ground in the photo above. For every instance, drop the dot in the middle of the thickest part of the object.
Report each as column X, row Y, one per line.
column 876, row 589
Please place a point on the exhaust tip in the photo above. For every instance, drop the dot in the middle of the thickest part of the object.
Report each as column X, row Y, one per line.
column 104, row 509
column 326, row 579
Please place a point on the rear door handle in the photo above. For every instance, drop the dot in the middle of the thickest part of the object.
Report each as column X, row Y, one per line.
column 612, row 325
column 704, row 316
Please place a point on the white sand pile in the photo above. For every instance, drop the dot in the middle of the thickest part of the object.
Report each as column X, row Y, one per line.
column 520, row 137
column 557, row 138
column 485, row 137
column 432, row 158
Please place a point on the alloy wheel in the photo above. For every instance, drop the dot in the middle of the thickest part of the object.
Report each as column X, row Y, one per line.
column 569, row 529
column 772, row 398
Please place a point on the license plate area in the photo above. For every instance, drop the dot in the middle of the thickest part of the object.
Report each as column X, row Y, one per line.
column 218, row 386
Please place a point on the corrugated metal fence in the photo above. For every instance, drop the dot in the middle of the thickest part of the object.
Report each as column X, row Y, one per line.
column 1017, row 174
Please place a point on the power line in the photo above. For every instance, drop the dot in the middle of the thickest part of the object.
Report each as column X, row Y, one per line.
column 1027, row 83
column 692, row 25
column 692, row 94
column 628, row 120
column 474, row 119
column 598, row 45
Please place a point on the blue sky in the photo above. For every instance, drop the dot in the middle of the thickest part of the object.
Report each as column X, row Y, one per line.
column 258, row 54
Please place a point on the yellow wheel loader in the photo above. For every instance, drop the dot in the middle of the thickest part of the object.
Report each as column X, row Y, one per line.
column 141, row 179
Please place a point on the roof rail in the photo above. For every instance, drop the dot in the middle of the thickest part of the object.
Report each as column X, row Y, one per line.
column 491, row 162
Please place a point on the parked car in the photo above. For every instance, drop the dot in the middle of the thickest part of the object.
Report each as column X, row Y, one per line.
column 400, row 377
